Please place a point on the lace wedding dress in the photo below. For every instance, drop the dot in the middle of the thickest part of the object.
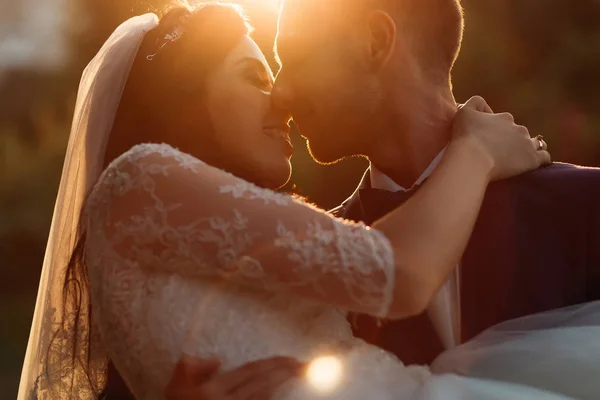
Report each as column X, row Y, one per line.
column 185, row 258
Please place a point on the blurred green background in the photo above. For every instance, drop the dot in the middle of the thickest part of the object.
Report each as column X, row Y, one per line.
column 538, row 59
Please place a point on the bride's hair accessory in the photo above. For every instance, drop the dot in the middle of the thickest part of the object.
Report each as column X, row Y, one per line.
column 170, row 37
column 175, row 35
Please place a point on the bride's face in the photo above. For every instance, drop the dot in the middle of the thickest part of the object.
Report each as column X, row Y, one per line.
column 252, row 137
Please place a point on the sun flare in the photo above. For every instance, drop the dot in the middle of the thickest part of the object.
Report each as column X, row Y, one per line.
column 263, row 3
column 325, row 373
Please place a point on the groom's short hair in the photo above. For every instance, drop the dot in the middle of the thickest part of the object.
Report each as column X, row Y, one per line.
column 435, row 26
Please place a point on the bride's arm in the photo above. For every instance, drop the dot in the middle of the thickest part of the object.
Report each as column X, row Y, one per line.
column 430, row 231
column 169, row 212
column 166, row 211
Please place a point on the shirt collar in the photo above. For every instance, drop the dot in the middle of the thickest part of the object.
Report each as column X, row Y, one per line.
column 379, row 180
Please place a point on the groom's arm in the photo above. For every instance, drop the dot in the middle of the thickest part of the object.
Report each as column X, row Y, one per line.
column 198, row 379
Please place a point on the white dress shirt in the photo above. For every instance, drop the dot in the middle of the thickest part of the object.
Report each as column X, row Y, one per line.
column 444, row 309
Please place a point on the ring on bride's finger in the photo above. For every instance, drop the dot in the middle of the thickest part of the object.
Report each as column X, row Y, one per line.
column 541, row 144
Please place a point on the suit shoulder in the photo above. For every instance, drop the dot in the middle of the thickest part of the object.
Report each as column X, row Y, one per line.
column 557, row 178
column 563, row 171
column 566, row 168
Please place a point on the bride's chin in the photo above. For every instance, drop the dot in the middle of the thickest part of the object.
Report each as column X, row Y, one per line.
column 275, row 177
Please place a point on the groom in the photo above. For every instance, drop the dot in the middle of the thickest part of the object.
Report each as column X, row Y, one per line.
column 372, row 78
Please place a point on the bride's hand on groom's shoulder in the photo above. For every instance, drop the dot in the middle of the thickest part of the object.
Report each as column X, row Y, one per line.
column 496, row 141
column 199, row 379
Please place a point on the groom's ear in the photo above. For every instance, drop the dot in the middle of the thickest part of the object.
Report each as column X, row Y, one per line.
column 382, row 39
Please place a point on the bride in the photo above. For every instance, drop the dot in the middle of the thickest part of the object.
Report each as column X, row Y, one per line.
column 189, row 252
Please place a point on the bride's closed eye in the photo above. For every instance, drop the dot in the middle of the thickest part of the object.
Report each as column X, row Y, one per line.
column 254, row 72
column 258, row 79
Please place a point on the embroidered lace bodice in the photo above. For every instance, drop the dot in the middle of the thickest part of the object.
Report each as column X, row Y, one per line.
column 185, row 258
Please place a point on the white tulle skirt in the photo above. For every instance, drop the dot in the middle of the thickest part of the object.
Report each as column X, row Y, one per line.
column 549, row 356
column 552, row 355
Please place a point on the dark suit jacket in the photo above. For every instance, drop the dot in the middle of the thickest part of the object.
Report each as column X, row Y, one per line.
column 535, row 247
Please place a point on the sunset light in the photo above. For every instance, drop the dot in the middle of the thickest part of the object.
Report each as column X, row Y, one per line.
column 263, row 3
column 215, row 197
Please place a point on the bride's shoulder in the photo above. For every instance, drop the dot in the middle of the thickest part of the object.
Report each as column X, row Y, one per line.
column 136, row 166
column 149, row 159
column 148, row 153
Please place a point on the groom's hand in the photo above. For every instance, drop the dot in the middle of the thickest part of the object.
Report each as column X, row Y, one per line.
column 197, row 379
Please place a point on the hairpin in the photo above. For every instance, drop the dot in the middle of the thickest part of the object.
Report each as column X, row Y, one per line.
column 168, row 38
column 175, row 35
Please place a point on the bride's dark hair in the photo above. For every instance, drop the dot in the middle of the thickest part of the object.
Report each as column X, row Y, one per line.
column 169, row 72
column 170, row 68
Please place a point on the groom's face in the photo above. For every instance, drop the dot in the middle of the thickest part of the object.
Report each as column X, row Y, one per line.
column 324, row 79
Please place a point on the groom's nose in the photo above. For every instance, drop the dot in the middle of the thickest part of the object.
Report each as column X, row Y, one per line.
column 282, row 94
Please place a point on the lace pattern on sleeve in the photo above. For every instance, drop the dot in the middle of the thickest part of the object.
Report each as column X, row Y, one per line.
column 167, row 211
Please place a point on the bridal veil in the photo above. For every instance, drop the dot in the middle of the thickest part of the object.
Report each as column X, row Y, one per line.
column 56, row 359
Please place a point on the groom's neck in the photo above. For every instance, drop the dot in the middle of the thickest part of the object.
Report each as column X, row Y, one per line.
column 412, row 136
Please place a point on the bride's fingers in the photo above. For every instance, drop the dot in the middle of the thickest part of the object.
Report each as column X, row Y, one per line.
column 189, row 372
column 478, row 103
column 200, row 370
column 232, row 380
column 239, row 384
column 265, row 386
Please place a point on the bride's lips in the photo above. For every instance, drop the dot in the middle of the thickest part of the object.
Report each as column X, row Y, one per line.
column 281, row 133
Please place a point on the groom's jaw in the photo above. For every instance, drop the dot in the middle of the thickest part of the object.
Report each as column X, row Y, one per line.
column 302, row 120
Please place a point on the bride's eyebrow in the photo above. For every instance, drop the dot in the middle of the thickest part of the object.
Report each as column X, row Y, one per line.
column 251, row 61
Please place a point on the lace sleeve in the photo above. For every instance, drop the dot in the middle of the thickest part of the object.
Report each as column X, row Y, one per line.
column 167, row 211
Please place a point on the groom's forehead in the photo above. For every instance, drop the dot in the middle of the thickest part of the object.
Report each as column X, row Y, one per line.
column 303, row 19
column 298, row 15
